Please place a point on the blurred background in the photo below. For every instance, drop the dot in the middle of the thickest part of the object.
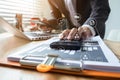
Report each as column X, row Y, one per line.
column 113, row 23
column 41, row 9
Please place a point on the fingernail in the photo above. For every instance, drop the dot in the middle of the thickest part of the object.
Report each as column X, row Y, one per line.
column 69, row 37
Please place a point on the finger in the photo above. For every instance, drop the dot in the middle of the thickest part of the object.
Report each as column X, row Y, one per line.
column 64, row 34
column 80, row 31
column 72, row 34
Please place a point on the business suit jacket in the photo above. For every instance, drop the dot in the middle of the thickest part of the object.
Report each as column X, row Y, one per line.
column 93, row 13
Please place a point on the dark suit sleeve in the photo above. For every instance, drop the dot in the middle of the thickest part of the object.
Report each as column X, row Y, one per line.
column 55, row 13
column 99, row 14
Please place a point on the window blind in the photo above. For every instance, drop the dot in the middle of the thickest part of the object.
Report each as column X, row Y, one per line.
column 28, row 9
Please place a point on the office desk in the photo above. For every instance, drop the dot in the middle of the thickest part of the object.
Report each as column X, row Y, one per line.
column 10, row 42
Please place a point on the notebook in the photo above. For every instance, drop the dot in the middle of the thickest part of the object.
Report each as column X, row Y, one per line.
column 26, row 35
column 93, row 55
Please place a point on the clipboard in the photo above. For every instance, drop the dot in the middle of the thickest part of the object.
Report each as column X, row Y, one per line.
column 84, row 72
column 5, row 62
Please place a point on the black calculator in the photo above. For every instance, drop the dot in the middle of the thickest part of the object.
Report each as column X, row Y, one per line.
column 66, row 44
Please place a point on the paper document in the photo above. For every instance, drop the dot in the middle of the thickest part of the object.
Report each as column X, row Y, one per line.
column 93, row 55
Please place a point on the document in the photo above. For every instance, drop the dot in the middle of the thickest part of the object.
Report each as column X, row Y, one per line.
column 93, row 55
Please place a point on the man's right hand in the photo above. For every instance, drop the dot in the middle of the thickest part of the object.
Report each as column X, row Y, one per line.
column 76, row 34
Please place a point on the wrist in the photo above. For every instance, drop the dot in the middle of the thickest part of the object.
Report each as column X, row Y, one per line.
column 90, row 28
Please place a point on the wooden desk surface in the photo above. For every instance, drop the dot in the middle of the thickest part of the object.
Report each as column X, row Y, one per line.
column 9, row 73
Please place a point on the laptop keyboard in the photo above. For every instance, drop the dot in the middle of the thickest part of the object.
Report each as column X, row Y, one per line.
column 37, row 35
column 89, row 51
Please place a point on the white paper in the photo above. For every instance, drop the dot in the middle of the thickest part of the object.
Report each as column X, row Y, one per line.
column 113, row 64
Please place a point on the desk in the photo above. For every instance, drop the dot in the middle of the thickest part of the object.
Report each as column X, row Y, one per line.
column 9, row 73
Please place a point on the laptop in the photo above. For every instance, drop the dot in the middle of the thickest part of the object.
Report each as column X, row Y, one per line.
column 39, row 35
column 93, row 55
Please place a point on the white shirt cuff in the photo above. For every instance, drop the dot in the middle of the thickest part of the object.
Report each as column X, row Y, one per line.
column 91, row 29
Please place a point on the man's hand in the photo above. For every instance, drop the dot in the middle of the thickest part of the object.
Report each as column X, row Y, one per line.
column 76, row 34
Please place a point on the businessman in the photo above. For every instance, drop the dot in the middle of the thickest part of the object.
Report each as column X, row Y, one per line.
column 86, row 18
